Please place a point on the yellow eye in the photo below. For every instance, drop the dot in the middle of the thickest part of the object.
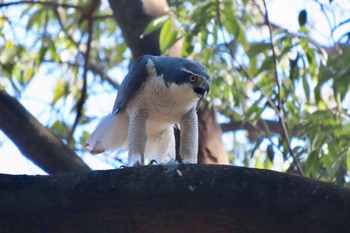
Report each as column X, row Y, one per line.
column 193, row 78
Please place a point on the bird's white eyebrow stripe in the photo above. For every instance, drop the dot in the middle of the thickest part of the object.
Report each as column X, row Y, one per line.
column 188, row 71
column 150, row 67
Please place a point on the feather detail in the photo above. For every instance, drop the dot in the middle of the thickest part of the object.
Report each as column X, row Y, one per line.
column 161, row 144
column 111, row 133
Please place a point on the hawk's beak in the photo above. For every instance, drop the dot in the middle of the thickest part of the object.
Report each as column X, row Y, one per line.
column 202, row 88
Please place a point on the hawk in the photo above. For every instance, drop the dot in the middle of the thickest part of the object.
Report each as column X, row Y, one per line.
column 157, row 93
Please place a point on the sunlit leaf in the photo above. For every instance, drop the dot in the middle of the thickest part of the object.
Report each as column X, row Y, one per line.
column 61, row 89
column 348, row 159
column 168, row 36
column 155, row 24
column 312, row 163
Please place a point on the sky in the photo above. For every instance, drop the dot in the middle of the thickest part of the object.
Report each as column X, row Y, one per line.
column 281, row 12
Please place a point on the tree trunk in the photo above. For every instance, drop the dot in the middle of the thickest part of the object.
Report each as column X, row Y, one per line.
column 173, row 198
column 211, row 149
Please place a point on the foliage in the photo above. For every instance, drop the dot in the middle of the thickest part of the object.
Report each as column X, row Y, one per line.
column 294, row 80
column 298, row 84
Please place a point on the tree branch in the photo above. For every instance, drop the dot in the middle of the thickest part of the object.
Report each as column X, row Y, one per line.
column 279, row 106
column 273, row 126
column 81, row 101
column 53, row 4
column 35, row 141
column 132, row 27
column 97, row 70
column 173, row 198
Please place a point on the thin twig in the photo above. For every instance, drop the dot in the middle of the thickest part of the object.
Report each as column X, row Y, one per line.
column 92, row 67
column 102, row 17
column 87, row 14
column 53, row 4
column 274, row 57
column 279, row 106
column 63, row 29
column 83, row 95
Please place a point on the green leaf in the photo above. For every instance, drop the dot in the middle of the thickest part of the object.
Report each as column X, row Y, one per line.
column 62, row 89
column 293, row 111
column 302, row 18
column 10, row 52
column 35, row 19
column 310, row 55
column 154, row 25
column 168, row 36
column 84, row 137
column 312, row 163
column 187, row 46
column 252, row 110
column 348, row 159
column 207, row 54
column 306, row 86
column 266, row 65
column 59, row 128
column 270, row 152
column 258, row 48
column 233, row 24
column 256, row 146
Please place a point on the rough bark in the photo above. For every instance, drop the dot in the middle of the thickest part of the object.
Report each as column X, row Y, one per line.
column 133, row 19
column 34, row 140
column 184, row 198
column 259, row 129
column 211, row 149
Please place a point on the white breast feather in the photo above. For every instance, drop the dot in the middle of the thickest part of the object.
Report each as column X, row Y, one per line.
column 166, row 106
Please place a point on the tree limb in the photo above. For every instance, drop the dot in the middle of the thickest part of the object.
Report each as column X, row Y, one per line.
column 81, row 101
column 279, row 105
column 35, row 141
column 133, row 19
column 47, row 3
column 173, row 198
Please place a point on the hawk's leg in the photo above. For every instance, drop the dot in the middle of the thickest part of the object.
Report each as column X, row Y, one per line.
column 137, row 136
column 189, row 137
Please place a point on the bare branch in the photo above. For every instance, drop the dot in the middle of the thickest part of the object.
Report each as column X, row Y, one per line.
column 274, row 58
column 97, row 70
column 83, row 95
column 102, row 17
column 53, row 4
column 279, row 106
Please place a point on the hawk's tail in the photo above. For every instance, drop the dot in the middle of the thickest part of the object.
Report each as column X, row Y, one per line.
column 111, row 133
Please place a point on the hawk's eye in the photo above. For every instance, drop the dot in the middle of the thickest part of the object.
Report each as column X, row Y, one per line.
column 193, row 78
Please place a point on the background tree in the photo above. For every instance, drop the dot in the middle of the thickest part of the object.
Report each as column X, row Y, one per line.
column 286, row 90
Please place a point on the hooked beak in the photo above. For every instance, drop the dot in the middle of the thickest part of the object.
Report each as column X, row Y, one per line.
column 202, row 89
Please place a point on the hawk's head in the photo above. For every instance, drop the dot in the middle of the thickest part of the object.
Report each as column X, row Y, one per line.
column 190, row 75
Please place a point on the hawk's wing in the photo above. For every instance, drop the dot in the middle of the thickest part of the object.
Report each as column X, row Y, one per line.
column 131, row 84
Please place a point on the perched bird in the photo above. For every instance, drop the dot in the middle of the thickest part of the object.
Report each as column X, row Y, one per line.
column 157, row 93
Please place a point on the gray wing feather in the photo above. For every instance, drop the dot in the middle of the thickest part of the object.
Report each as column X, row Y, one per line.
column 131, row 84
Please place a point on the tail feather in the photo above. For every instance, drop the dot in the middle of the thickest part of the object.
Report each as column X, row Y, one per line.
column 111, row 133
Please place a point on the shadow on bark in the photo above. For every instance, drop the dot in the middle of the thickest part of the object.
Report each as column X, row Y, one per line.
column 173, row 198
